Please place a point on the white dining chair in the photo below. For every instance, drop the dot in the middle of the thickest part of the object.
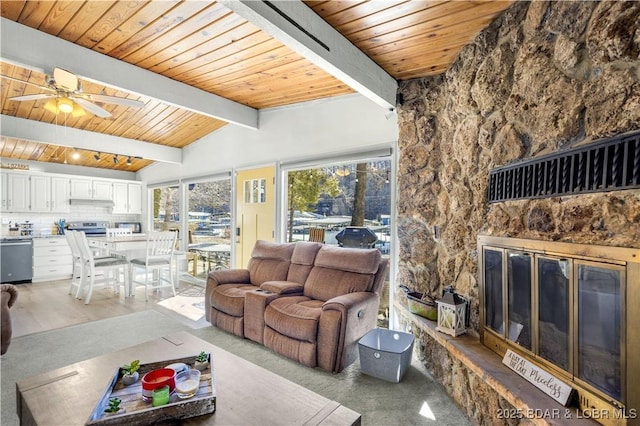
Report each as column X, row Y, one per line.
column 77, row 263
column 108, row 268
column 157, row 262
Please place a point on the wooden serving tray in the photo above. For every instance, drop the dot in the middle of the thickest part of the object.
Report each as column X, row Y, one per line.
column 141, row 412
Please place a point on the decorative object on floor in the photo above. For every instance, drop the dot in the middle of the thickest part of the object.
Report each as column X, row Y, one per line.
column 190, row 307
column 452, row 310
column 202, row 361
column 152, row 399
column 130, row 373
column 386, row 354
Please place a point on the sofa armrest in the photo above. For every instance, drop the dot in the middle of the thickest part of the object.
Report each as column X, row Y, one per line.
column 353, row 314
column 224, row 276
column 282, row 287
column 228, row 276
column 347, row 302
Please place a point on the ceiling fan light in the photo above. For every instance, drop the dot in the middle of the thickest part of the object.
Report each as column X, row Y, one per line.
column 51, row 106
column 65, row 105
column 77, row 111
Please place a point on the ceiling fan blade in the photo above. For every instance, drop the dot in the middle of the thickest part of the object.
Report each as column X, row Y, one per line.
column 48, row 89
column 92, row 108
column 34, row 97
column 114, row 100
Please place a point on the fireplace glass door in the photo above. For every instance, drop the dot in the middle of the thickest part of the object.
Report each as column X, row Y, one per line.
column 519, row 274
column 493, row 290
column 554, row 310
column 599, row 337
column 571, row 309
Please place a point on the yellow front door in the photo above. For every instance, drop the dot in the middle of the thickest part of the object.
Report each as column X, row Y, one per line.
column 255, row 210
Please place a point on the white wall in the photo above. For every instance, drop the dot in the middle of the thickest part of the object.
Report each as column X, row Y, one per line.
column 312, row 129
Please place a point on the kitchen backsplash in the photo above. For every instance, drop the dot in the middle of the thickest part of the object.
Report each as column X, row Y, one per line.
column 44, row 223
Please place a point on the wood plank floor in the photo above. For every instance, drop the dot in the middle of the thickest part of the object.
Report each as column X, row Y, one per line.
column 47, row 305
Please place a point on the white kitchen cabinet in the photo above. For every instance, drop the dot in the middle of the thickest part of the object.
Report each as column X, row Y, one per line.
column 49, row 193
column 40, row 193
column 17, row 192
column 52, row 259
column 59, row 194
column 81, row 188
column 103, row 189
column 127, row 197
column 91, row 189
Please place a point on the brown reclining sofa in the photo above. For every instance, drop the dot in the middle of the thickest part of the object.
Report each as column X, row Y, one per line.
column 307, row 301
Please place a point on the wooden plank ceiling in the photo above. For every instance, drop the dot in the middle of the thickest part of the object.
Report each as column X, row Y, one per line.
column 205, row 45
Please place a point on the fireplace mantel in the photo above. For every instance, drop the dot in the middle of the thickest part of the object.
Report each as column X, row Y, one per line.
column 528, row 403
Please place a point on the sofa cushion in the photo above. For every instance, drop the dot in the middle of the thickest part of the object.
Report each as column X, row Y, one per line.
column 295, row 316
column 304, row 254
column 326, row 283
column 229, row 298
column 269, row 262
column 361, row 261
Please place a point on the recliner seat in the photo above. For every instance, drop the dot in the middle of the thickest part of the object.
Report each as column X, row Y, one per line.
column 304, row 300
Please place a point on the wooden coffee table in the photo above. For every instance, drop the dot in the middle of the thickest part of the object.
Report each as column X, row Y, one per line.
column 245, row 393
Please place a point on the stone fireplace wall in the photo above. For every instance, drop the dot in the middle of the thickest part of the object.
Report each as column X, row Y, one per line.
column 544, row 77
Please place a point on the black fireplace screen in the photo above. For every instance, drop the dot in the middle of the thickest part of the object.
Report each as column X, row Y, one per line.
column 607, row 165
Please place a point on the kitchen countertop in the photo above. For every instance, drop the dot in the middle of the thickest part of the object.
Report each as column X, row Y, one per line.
column 16, row 237
column 121, row 239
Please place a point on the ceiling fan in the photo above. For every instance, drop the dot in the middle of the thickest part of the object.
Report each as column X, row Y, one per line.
column 65, row 95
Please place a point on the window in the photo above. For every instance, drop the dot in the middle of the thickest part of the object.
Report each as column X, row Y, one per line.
column 255, row 191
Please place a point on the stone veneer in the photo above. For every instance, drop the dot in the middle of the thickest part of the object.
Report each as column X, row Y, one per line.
column 545, row 76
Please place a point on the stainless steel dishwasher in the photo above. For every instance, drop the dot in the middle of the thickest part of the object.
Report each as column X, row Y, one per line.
column 16, row 259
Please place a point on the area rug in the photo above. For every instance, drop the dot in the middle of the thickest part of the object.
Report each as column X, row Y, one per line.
column 40, row 352
column 417, row 400
column 187, row 306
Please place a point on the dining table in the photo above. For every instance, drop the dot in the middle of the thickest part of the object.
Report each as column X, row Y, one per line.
column 212, row 253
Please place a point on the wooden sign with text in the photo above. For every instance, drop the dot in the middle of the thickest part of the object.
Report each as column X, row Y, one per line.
column 541, row 379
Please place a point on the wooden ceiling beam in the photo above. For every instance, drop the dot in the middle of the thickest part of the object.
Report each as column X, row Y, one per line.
column 37, row 131
column 298, row 27
column 42, row 52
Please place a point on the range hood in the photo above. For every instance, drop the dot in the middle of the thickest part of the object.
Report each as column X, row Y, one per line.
column 91, row 201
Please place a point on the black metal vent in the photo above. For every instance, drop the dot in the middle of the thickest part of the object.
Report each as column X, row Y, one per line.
column 608, row 165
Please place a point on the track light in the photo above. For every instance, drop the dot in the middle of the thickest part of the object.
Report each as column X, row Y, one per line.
column 115, row 159
column 97, row 156
column 128, row 161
